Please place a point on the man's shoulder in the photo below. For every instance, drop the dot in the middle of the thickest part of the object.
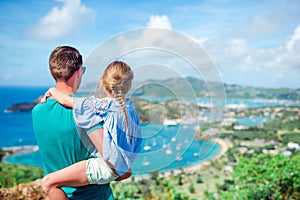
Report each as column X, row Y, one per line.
column 38, row 107
column 49, row 104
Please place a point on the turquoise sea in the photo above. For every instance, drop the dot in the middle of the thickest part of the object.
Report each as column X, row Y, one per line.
column 164, row 148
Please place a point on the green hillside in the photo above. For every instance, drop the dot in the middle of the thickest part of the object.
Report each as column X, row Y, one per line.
column 192, row 87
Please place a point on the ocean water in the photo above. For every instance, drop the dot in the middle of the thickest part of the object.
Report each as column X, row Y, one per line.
column 16, row 128
column 164, row 148
column 230, row 102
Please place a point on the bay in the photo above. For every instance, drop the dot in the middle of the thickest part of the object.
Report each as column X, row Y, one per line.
column 164, row 148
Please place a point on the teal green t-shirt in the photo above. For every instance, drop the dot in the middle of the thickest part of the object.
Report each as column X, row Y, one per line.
column 60, row 145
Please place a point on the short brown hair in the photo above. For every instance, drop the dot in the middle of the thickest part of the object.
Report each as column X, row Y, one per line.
column 63, row 62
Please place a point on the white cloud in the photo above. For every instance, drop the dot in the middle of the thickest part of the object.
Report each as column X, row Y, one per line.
column 60, row 22
column 261, row 25
column 157, row 21
column 201, row 41
column 236, row 57
column 162, row 53
column 291, row 44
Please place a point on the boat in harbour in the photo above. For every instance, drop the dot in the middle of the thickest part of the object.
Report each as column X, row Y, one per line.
column 147, row 148
column 170, row 122
column 145, row 162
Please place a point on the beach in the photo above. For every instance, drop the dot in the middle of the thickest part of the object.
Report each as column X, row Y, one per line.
column 224, row 145
column 19, row 150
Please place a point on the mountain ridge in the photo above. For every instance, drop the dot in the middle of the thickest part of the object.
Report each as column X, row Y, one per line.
column 193, row 87
column 200, row 88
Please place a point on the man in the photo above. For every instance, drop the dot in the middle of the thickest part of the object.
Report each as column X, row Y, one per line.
column 60, row 144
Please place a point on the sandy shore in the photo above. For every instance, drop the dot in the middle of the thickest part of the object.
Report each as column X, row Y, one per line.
column 188, row 169
column 18, row 150
column 223, row 148
column 224, row 145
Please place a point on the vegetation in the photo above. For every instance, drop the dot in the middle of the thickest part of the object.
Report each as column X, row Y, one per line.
column 193, row 87
column 12, row 174
column 157, row 111
column 292, row 137
column 155, row 187
column 263, row 176
column 186, row 87
column 259, row 167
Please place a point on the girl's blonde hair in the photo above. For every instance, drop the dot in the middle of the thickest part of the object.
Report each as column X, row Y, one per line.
column 117, row 79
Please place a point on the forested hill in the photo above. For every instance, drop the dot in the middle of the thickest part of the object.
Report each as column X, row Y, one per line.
column 189, row 86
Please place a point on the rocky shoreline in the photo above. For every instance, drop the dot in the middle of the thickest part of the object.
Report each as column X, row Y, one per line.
column 22, row 107
column 28, row 191
column 19, row 150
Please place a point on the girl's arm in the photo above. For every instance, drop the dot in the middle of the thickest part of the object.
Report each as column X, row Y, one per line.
column 60, row 97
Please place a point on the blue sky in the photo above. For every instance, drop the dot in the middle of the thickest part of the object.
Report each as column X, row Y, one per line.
column 254, row 43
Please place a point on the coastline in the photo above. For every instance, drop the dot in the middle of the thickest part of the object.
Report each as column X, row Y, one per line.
column 223, row 149
column 224, row 145
column 18, row 150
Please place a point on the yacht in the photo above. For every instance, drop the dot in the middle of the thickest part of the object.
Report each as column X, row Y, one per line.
column 170, row 122
column 195, row 154
column 169, row 151
column 147, row 148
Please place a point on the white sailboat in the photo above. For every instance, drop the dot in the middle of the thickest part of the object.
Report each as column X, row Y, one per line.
column 178, row 157
column 169, row 151
column 178, row 147
column 154, row 143
column 146, row 163
column 164, row 144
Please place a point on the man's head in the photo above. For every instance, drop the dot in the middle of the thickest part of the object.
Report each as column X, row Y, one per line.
column 64, row 61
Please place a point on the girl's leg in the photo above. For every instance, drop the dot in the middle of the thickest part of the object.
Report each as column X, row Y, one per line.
column 74, row 175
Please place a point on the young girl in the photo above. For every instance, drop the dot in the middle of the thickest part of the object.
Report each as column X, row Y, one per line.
column 119, row 143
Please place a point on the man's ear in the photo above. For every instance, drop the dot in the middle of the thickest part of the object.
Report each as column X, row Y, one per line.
column 78, row 72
